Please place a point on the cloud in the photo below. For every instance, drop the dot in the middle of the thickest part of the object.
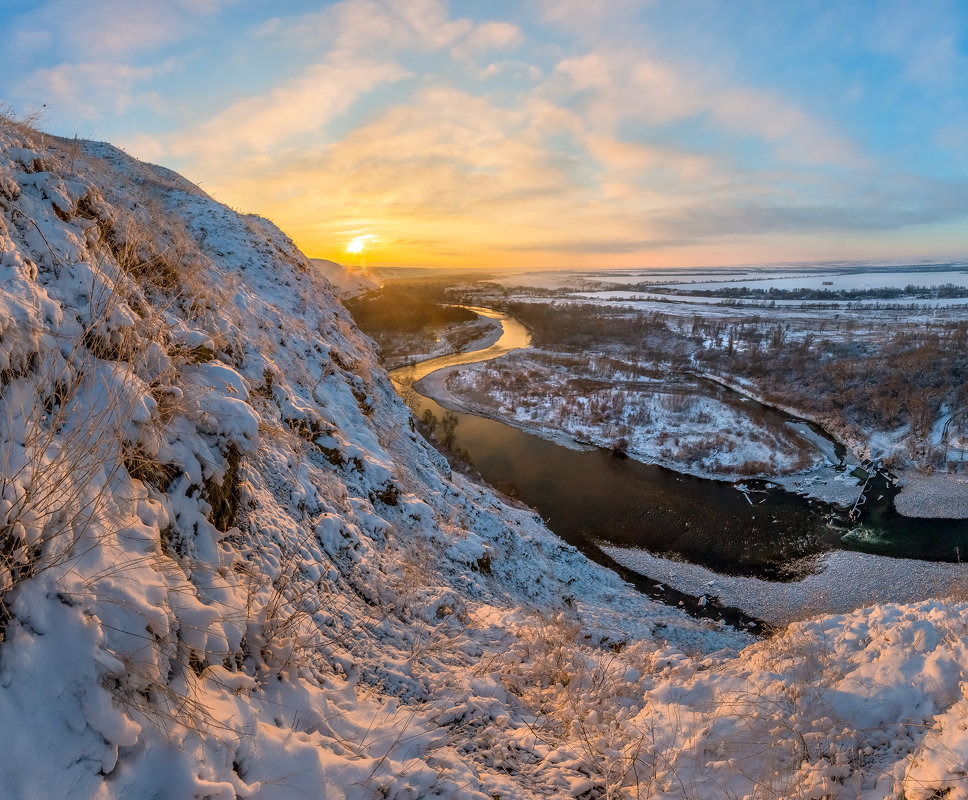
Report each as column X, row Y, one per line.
column 923, row 37
column 453, row 168
column 797, row 136
column 486, row 37
column 88, row 59
column 357, row 42
column 640, row 174
column 520, row 70
column 89, row 89
column 368, row 27
column 591, row 143
column 259, row 124
column 397, row 25
column 710, row 225
column 104, row 30
column 622, row 85
column 904, row 202
column 590, row 19
column 447, row 152
column 609, row 87
column 447, row 166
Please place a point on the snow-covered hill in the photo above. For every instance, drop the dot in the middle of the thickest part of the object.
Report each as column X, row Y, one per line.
column 231, row 567
column 346, row 281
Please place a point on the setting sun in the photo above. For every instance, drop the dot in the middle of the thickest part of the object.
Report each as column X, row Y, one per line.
column 358, row 244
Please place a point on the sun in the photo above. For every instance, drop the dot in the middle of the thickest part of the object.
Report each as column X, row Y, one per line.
column 357, row 245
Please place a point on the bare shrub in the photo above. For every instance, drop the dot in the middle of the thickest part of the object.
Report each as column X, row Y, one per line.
column 677, row 402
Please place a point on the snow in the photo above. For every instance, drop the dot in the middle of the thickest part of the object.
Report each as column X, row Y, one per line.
column 845, row 280
column 660, row 422
column 622, row 296
column 346, row 281
column 233, row 570
column 939, row 495
column 857, row 275
column 840, row 581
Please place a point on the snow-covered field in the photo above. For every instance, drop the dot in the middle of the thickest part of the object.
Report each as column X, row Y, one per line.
column 846, row 280
column 707, row 330
column 844, row 276
column 939, row 495
column 624, row 296
column 232, row 569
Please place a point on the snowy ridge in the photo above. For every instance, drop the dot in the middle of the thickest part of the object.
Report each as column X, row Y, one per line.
column 232, row 569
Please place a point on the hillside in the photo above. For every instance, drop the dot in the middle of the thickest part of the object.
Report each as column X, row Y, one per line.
column 345, row 281
column 232, row 568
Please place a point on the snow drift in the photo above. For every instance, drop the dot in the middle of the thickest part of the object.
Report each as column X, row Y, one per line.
column 231, row 567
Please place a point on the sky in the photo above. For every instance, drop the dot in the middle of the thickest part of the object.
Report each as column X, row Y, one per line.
column 537, row 133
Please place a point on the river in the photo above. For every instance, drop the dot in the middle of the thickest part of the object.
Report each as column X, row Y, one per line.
column 591, row 496
column 514, row 336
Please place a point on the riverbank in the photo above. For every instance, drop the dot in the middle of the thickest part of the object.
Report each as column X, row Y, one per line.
column 825, row 483
column 843, row 581
column 434, row 386
column 853, row 448
column 705, row 432
column 835, row 582
column 938, row 496
column 445, row 346
column 512, row 336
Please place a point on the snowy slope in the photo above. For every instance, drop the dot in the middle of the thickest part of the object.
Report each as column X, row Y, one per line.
column 231, row 568
column 346, row 281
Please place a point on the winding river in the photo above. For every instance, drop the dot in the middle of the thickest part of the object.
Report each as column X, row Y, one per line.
column 514, row 336
column 591, row 495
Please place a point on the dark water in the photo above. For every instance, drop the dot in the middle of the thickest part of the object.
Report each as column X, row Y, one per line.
column 883, row 531
column 593, row 495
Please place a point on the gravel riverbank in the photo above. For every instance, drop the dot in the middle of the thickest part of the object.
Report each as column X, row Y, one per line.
column 938, row 496
column 845, row 581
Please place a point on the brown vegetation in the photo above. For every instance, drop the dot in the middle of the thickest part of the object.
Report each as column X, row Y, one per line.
column 406, row 316
column 858, row 373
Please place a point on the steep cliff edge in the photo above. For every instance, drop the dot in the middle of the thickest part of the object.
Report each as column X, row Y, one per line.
column 231, row 567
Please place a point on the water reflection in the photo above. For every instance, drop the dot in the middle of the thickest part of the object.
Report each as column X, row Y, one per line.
column 590, row 495
column 514, row 336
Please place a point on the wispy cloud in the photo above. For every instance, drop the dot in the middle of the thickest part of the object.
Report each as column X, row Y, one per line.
column 257, row 126
column 591, row 20
column 106, row 30
column 358, row 27
column 612, row 87
column 487, row 37
column 926, row 38
column 88, row 88
column 104, row 50
column 358, row 41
